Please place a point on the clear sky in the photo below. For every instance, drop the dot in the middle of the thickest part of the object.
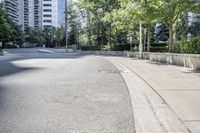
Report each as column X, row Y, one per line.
column 61, row 14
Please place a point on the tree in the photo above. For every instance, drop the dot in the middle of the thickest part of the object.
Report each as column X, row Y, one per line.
column 17, row 35
column 35, row 36
column 5, row 27
column 170, row 11
column 9, row 31
column 99, row 31
column 60, row 35
column 162, row 33
column 194, row 29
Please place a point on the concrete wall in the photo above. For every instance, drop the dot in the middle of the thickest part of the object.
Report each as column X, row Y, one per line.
column 186, row 60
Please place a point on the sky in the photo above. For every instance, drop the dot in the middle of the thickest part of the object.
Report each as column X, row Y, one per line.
column 61, row 14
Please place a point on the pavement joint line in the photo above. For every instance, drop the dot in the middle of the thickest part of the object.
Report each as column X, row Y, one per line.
column 191, row 121
column 154, row 112
column 179, row 90
column 129, row 69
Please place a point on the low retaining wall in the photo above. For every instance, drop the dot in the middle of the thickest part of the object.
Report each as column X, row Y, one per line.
column 106, row 53
column 186, row 60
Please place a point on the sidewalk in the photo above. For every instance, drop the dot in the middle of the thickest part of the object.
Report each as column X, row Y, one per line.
column 178, row 86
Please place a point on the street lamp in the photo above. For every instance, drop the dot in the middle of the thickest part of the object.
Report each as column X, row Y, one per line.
column 130, row 36
column 66, row 23
column 140, row 45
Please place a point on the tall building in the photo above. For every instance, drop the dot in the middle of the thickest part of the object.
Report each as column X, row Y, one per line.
column 26, row 13
column 49, row 13
column 35, row 13
column 12, row 8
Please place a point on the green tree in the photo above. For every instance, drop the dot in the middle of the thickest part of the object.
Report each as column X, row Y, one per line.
column 170, row 11
column 9, row 31
column 17, row 34
column 34, row 36
column 5, row 27
column 60, row 36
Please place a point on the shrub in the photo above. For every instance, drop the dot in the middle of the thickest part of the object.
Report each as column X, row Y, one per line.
column 91, row 48
column 185, row 46
column 159, row 47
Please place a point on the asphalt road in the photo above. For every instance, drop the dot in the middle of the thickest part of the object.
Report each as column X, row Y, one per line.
column 59, row 93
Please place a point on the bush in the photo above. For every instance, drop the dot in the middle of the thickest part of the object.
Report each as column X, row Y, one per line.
column 122, row 47
column 159, row 47
column 8, row 46
column 192, row 46
column 159, row 44
column 91, row 48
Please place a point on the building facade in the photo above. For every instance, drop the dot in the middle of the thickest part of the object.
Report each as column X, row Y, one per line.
column 49, row 13
column 12, row 8
column 34, row 13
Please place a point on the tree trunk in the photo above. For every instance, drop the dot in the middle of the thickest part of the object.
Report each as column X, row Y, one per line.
column 89, row 37
column 88, row 25
column 149, row 39
column 110, row 34
column 171, row 40
column 3, row 45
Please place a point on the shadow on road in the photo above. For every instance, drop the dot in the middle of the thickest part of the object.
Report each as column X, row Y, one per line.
column 7, row 68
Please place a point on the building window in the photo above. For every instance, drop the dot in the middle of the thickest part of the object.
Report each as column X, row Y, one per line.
column 46, row 5
column 46, row 15
column 47, row 10
column 47, row 21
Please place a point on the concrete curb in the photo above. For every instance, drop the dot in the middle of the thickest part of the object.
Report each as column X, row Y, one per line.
column 45, row 51
column 151, row 113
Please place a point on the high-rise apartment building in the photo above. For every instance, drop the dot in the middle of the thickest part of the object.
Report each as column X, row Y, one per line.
column 26, row 13
column 12, row 8
column 49, row 13
column 35, row 13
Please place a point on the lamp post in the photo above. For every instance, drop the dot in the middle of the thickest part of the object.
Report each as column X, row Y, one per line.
column 130, row 35
column 66, row 23
column 140, row 45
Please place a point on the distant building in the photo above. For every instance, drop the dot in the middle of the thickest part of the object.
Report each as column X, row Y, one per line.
column 49, row 13
column 36, row 13
column 26, row 13
column 12, row 8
